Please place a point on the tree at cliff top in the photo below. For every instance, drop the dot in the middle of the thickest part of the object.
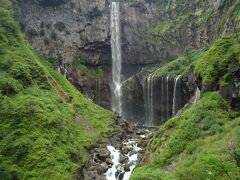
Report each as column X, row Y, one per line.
column 45, row 123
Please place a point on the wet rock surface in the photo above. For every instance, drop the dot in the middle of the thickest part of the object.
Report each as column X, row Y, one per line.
column 123, row 139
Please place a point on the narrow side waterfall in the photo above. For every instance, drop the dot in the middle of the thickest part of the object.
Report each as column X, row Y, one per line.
column 98, row 90
column 149, row 100
column 175, row 93
column 197, row 95
column 116, row 57
column 168, row 97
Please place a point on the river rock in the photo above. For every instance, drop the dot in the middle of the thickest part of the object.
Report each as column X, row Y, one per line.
column 102, row 153
column 101, row 169
column 109, row 162
column 124, row 150
column 119, row 174
column 141, row 132
column 133, row 152
column 126, row 167
column 122, row 158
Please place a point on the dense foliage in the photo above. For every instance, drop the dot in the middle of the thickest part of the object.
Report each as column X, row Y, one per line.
column 215, row 65
column 45, row 123
column 181, row 65
column 204, row 141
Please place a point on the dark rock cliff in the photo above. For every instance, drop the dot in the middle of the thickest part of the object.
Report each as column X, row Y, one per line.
column 152, row 31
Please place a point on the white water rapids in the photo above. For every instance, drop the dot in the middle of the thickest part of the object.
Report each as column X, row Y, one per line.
column 117, row 166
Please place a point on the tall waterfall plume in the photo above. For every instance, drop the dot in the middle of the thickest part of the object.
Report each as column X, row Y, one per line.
column 116, row 57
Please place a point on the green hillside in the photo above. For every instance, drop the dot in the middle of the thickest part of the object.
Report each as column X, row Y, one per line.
column 46, row 125
column 201, row 142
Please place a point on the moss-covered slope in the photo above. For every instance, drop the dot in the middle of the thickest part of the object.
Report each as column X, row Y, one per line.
column 211, row 64
column 201, row 143
column 45, row 123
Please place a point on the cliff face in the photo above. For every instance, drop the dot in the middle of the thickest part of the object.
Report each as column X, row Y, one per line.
column 152, row 31
column 68, row 30
column 77, row 29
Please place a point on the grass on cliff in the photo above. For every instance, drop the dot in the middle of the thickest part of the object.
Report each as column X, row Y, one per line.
column 193, row 15
column 92, row 73
column 211, row 64
column 181, row 65
column 216, row 64
column 202, row 142
column 45, row 123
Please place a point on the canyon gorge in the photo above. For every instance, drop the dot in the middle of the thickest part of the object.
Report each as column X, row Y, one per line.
column 118, row 90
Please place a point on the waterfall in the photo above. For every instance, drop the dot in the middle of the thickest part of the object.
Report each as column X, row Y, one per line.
column 197, row 95
column 167, row 97
column 175, row 91
column 162, row 99
column 98, row 90
column 149, row 100
column 116, row 57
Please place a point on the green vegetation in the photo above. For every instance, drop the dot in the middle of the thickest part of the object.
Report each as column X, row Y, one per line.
column 181, row 65
column 99, row 72
column 214, row 65
column 211, row 64
column 185, row 17
column 46, row 125
column 204, row 141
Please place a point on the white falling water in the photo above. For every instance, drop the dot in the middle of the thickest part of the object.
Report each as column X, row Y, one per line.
column 117, row 166
column 162, row 95
column 167, row 97
column 174, row 108
column 98, row 90
column 149, row 100
column 116, row 57
column 197, row 95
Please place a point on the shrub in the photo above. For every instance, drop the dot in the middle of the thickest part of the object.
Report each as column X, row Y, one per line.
column 9, row 86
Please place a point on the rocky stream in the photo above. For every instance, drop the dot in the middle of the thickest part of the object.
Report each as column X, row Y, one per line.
column 116, row 159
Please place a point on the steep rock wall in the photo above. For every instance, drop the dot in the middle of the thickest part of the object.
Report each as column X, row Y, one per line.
column 152, row 31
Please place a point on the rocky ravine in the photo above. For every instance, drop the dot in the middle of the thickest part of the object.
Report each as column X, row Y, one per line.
column 129, row 141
